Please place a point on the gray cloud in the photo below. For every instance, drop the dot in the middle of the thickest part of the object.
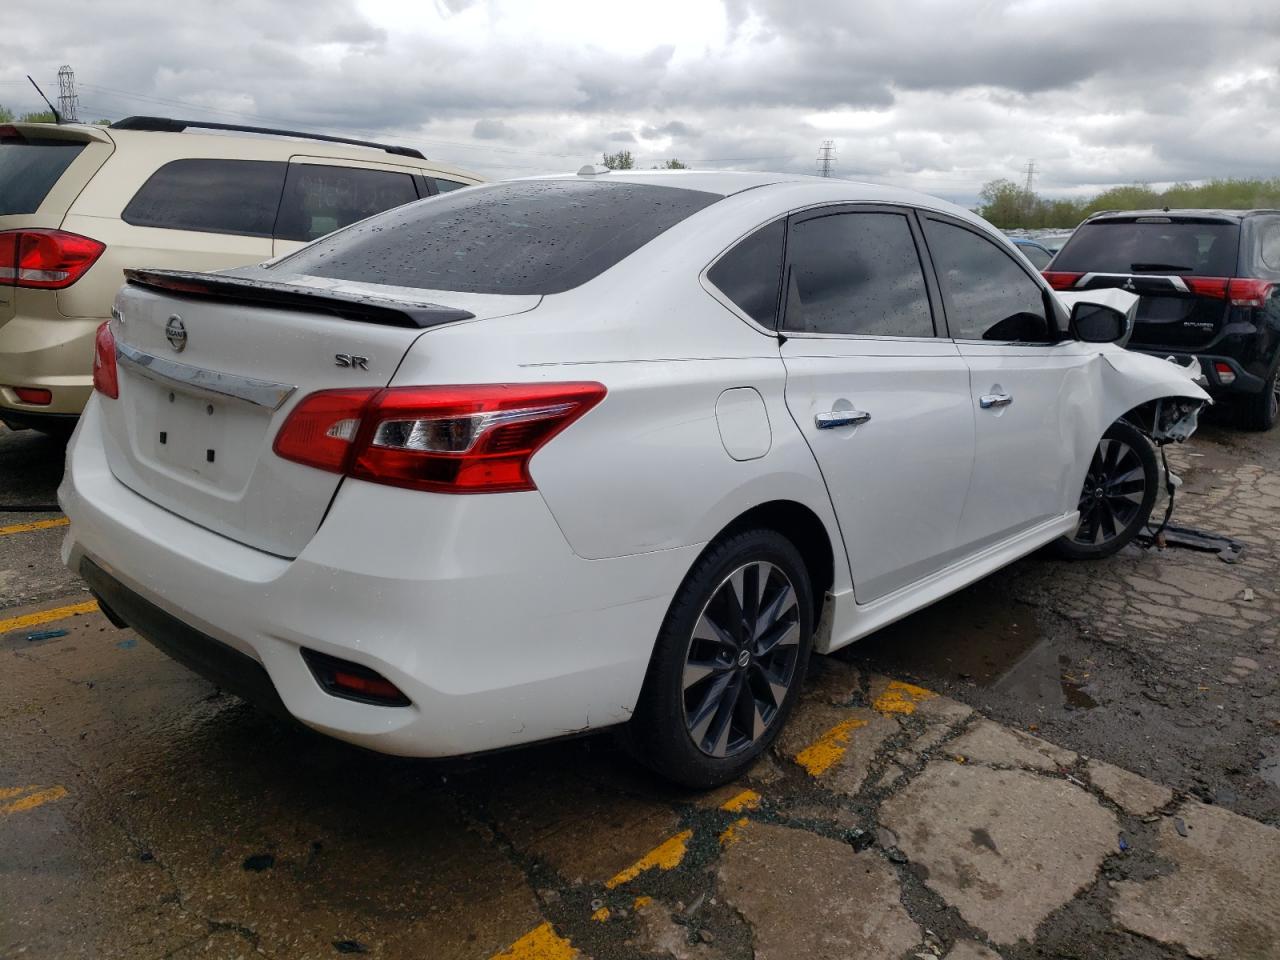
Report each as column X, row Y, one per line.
column 912, row 91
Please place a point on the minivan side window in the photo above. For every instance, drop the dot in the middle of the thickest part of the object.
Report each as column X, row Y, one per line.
column 988, row 296
column 321, row 198
column 751, row 273
column 210, row 196
column 444, row 186
column 856, row 273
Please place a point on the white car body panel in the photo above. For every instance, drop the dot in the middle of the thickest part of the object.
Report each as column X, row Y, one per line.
column 513, row 617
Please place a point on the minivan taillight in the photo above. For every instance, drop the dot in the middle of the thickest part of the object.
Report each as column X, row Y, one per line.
column 105, row 379
column 45, row 259
column 451, row 439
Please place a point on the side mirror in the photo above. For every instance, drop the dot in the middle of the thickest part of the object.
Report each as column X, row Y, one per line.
column 1096, row 323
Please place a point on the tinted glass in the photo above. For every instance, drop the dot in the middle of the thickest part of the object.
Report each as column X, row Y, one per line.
column 444, row 186
column 1127, row 246
column 29, row 168
column 751, row 272
column 211, row 196
column 320, row 199
column 1271, row 244
column 530, row 237
column 1039, row 258
column 856, row 273
column 988, row 295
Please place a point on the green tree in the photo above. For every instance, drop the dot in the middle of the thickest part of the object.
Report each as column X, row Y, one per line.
column 1006, row 204
column 672, row 164
column 38, row 116
column 6, row 115
column 622, row 160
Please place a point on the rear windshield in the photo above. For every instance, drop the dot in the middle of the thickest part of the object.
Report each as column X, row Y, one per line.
column 530, row 237
column 29, row 167
column 1152, row 246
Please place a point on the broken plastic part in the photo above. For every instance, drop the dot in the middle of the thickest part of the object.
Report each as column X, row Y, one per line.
column 1176, row 419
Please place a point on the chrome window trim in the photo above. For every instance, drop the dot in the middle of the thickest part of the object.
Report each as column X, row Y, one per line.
column 190, row 379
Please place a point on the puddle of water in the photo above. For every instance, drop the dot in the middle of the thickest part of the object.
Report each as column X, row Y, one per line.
column 982, row 637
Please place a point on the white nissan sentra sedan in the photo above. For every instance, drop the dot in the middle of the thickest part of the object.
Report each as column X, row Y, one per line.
column 552, row 455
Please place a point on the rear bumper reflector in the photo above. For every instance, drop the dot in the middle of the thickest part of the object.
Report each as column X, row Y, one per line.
column 353, row 681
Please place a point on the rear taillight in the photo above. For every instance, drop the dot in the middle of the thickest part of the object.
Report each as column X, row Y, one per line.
column 45, row 259
column 1226, row 376
column 105, row 379
column 1060, row 280
column 1241, row 291
column 457, row 439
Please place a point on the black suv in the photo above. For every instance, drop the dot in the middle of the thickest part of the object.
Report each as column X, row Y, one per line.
column 1209, row 282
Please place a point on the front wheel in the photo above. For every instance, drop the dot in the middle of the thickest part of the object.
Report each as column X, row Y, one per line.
column 728, row 663
column 1118, row 494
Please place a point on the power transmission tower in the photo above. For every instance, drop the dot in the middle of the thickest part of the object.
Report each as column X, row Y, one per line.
column 1031, row 174
column 826, row 158
column 68, row 102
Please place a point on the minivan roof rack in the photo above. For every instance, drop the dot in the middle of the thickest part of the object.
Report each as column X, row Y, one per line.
column 168, row 125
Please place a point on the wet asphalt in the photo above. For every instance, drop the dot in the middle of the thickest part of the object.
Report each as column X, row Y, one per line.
column 191, row 825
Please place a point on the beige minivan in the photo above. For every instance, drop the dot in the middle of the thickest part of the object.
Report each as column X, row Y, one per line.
column 80, row 203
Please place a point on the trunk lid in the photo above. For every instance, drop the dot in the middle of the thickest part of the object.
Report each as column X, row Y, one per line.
column 211, row 365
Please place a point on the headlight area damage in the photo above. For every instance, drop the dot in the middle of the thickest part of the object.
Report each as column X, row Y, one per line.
column 1168, row 419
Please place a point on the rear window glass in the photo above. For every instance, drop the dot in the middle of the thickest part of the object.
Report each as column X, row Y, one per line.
column 530, row 237
column 319, row 198
column 1170, row 247
column 210, row 196
column 751, row 273
column 29, row 167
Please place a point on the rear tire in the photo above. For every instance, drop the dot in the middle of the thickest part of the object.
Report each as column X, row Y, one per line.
column 1260, row 411
column 728, row 663
column 1117, row 497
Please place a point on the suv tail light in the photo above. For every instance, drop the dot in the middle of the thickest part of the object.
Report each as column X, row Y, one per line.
column 1241, row 291
column 45, row 259
column 105, row 379
column 457, row 439
column 1061, row 280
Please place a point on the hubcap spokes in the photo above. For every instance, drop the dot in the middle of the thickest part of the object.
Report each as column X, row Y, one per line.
column 1113, row 492
column 741, row 659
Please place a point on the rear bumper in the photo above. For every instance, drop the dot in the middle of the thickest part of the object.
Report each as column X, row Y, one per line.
column 55, row 354
column 475, row 607
column 1211, row 380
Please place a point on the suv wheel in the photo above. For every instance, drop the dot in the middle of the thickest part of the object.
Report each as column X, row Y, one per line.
column 728, row 663
column 1262, row 410
column 1119, row 492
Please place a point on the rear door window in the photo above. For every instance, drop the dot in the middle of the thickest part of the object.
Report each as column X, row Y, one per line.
column 1152, row 245
column 321, row 198
column 526, row 237
column 751, row 273
column 210, row 196
column 988, row 294
column 856, row 273
column 444, row 186
column 29, row 167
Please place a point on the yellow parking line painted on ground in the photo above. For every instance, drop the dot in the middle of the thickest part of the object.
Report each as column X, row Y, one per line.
column 746, row 800
column 732, row 832
column 825, row 752
column 33, row 525
column 665, row 856
column 902, row 698
column 47, row 616
column 540, row 943
column 31, row 800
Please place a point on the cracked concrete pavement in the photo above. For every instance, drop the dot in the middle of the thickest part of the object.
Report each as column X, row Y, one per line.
column 1066, row 760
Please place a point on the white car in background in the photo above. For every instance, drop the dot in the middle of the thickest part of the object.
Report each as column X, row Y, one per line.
column 551, row 455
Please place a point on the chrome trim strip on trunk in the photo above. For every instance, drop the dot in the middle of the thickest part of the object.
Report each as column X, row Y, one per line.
column 183, row 376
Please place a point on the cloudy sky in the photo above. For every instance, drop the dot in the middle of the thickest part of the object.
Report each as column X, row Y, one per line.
column 939, row 96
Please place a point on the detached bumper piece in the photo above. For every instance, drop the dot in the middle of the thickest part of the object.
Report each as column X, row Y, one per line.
column 212, row 659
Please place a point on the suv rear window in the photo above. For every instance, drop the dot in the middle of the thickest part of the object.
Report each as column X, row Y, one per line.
column 1152, row 245
column 210, row 196
column 530, row 237
column 29, row 167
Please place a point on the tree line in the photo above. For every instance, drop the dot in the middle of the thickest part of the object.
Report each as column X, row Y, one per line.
column 1009, row 205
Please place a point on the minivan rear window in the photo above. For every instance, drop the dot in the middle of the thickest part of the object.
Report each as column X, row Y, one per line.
column 527, row 237
column 29, row 167
column 1152, row 245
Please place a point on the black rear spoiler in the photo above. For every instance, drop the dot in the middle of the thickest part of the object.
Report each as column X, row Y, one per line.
column 287, row 296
